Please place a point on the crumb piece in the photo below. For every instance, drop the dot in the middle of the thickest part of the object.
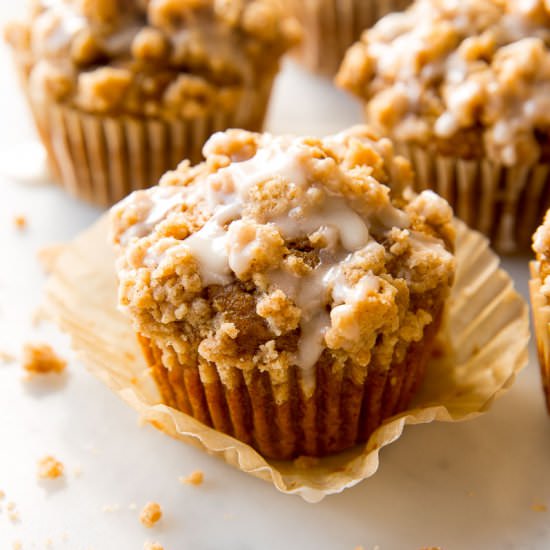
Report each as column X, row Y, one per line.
column 42, row 359
column 151, row 514
column 359, row 548
column 20, row 222
column 10, row 506
column 16, row 545
column 49, row 468
column 109, row 508
column 6, row 357
column 539, row 507
column 14, row 516
column 306, row 462
column 132, row 506
column 152, row 546
column 2, row 495
column 195, row 478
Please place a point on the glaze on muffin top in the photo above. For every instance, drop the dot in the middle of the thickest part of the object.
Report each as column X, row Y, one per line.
column 151, row 57
column 468, row 77
column 278, row 251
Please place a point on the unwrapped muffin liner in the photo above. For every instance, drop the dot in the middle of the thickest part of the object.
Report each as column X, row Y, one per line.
column 541, row 321
column 483, row 346
column 332, row 26
column 504, row 203
column 101, row 159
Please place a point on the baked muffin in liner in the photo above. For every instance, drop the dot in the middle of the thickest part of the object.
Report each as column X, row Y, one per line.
column 540, row 292
column 122, row 91
column 464, row 97
column 481, row 348
column 330, row 27
column 287, row 291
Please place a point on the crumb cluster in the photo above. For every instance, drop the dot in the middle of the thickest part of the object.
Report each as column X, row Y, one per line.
column 42, row 359
column 195, row 478
column 151, row 514
column 277, row 252
column 470, row 78
column 160, row 58
column 50, row 468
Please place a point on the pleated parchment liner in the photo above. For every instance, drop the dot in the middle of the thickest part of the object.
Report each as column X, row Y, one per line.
column 506, row 204
column 485, row 336
column 541, row 322
column 101, row 159
column 332, row 26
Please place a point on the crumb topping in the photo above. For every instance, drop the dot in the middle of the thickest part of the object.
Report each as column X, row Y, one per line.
column 160, row 58
column 20, row 222
column 152, row 546
column 42, row 359
column 50, row 468
column 471, row 78
column 195, row 478
column 278, row 251
column 151, row 514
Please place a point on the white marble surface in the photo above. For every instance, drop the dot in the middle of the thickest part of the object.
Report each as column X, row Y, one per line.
column 471, row 485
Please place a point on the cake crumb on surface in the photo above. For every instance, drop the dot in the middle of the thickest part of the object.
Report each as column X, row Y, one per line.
column 10, row 506
column 539, row 507
column 42, row 359
column 20, row 222
column 2, row 494
column 152, row 546
column 6, row 357
column 108, row 508
column 49, row 468
column 195, row 478
column 16, row 545
column 151, row 514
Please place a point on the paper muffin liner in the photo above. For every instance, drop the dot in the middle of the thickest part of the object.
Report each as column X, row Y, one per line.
column 506, row 204
column 541, row 321
column 486, row 332
column 101, row 159
column 285, row 419
column 332, row 26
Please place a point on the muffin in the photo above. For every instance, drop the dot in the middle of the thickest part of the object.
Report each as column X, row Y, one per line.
column 539, row 287
column 287, row 291
column 122, row 90
column 332, row 26
column 463, row 90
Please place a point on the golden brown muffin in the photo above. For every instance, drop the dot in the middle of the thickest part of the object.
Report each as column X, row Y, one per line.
column 122, row 90
column 462, row 88
column 287, row 291
column 540, row 295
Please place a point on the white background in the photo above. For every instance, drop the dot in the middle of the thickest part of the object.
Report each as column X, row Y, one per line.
column 459, row 486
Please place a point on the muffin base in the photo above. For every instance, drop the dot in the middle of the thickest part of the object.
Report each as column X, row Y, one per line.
column 506, row 204
column 101, row 159
column 541, row 321
column 332, row 26
column 339, row 414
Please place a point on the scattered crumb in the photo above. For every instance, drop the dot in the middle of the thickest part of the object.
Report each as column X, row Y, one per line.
column 151, row 514
column 359, row 548
column 14, row 516
column 109, row 508
column 152, row 546
column 20, row 222
column 2, row 495
column 16, row 545
column 6, row 357
column 42, row 359
column 132, row 506
column 539, row 507
column 306, row 462
column 10, row 506
column 49, row 468
column 195, row 478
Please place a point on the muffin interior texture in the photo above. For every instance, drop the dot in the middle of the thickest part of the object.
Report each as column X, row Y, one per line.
column 469, row 78
column 283, row 252
column 160, row 58
column 541, row 246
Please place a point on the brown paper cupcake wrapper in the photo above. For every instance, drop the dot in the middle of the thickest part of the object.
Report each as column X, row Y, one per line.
column 541, row 322
column 102, row 159
column 486, row 330
column 338, row 413
column 332, row 26
column 506, row 204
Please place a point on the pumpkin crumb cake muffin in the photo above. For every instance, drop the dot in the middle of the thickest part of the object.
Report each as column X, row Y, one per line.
column 540, row 300
column 463, row 89
column 122, row 90
column 287, row 291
